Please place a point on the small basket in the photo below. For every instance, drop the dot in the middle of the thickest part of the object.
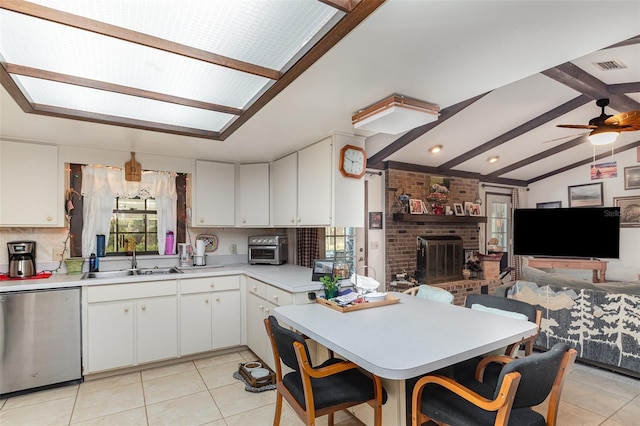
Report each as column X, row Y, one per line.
column 74, row 266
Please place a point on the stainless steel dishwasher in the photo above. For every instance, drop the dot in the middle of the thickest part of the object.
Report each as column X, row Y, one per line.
column 40, row 340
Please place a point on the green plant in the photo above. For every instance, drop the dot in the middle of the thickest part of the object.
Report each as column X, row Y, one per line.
column 330, row 284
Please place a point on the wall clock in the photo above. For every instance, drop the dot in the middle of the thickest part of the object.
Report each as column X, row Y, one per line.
column 353, row 161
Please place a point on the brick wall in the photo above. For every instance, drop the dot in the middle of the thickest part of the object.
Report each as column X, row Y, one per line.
column 401, row 236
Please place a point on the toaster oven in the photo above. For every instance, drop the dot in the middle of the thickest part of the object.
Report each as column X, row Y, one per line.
column 268, row 250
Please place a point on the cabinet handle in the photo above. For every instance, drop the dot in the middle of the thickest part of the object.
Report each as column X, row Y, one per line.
column 126, row 309
column 261, row 308
column 217, row 299
column 211, row 285
column 275, row 298
column 201, row 220
column 244, row 220
column 254, row 288
column 144, row 307
column 266, row 311
column 293, row 220
column 206, row 300
column 49, row 218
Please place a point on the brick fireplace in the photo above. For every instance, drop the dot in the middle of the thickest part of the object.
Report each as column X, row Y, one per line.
column 401, row 237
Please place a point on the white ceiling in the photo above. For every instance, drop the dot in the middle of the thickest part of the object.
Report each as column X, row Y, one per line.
column 442, row 52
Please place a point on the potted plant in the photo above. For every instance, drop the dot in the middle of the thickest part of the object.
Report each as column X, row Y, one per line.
column 330, row 285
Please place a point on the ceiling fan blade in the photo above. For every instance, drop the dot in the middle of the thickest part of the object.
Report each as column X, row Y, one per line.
column 577, row 126
column 566, row 137
column 625, row 119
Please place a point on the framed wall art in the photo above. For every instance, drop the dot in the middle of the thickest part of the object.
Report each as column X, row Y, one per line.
column 458, row 209
column 415, row 206
column 629, row 211
column 632, row 177
column 587, row 195
column 375, row 220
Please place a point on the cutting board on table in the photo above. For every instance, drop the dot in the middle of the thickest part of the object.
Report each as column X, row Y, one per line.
column 132, row 170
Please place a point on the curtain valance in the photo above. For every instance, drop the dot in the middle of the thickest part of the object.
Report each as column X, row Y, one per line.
column 102, row 181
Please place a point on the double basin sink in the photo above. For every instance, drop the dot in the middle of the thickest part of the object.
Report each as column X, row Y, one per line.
column 131, row 272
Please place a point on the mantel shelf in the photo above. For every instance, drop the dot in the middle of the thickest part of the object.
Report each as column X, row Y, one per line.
column 442, row 219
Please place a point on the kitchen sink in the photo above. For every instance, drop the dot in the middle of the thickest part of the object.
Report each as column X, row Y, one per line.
column 131, row 272
column 109, row 274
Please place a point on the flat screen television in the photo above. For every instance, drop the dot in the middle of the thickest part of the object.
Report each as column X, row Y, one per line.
column 579, row 232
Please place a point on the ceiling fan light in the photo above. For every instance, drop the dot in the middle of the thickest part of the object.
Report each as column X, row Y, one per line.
column 602, row 138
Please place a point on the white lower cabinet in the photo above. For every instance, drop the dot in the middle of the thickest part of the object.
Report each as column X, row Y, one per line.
column 210, row 314
column 262, row 298
column 130, row 324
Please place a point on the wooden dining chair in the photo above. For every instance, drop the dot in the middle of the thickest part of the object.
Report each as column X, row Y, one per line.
column 429, row 292
column 313, row 392
column 522, row 384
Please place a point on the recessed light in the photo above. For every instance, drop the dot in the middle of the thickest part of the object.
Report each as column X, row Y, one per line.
column 493, row 159
column 435, row 149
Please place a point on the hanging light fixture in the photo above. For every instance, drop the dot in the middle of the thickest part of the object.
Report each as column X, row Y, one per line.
column 603, row 136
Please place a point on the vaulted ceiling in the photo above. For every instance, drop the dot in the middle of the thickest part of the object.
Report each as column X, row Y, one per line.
column 503, row 73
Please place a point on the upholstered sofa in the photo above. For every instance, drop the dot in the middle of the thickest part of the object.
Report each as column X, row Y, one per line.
column 601, row 321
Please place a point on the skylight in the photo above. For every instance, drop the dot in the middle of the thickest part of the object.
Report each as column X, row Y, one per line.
column 196, row 67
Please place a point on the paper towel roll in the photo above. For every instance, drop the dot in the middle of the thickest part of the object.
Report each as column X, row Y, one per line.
column 200, row 246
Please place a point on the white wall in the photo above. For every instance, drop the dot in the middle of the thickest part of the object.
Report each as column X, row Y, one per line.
column 377, row 250
column 555, row 189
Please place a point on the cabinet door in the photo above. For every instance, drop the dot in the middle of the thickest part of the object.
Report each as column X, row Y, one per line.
column 253, row 192
column 215, row 191
column 314, row 184
column 30, row 185
column 157, row 328
column 256, row 332
column 195, row 323
column 285, row 190
column 226, row 319
column 110, row 340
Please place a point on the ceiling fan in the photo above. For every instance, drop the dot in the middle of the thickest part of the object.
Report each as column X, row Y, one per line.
column 605, row 128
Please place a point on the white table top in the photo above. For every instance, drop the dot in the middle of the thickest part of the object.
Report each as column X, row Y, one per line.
column 406, row 339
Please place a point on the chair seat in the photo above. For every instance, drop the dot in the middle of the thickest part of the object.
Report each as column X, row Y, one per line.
column 348, row 386
column 445, row 406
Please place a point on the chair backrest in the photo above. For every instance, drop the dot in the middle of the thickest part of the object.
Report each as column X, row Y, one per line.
column 284, row 339
column 538, row 374
column 502, row 303
column 429, row 292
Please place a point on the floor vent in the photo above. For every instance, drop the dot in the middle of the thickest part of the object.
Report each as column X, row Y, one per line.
column 610, row 65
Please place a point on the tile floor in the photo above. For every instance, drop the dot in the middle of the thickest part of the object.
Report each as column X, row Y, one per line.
column 203, row 392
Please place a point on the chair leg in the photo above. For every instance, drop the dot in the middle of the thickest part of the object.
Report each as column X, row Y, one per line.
column 330, row 419
column 278, row 413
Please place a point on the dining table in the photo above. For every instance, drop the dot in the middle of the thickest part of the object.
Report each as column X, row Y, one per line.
column 403, row 340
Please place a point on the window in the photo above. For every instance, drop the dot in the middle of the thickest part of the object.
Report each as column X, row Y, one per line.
column 133, row 218
column 340, row 246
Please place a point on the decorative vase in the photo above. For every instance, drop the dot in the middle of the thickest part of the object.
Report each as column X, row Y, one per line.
column 466, row 273
column 437, row 210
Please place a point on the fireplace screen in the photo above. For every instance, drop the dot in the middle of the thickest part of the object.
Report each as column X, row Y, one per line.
column 439, row 259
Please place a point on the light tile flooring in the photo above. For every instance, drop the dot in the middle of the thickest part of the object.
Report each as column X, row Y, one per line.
column 203, row 392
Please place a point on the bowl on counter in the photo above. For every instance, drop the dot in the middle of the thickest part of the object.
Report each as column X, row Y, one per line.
column 375, row 296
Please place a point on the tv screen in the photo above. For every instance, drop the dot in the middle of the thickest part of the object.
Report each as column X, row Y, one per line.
column 584, row 232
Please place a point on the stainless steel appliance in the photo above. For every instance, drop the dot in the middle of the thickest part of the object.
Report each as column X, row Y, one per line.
column 39, row 339
column 22, row 259
column 270, row 250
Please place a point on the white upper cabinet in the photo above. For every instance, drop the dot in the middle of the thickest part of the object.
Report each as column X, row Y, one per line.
column 314, row 184
column 310, row 190
column 214, row 189
column 31, row 185
column 253, row 194
column 285, row 190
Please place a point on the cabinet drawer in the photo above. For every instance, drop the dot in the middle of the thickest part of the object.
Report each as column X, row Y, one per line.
column 257, row 287
column 200, row 285
column 105, row 293
column 278, row 297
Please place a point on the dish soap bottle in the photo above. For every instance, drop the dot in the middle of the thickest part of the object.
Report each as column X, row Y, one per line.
column 93, row 263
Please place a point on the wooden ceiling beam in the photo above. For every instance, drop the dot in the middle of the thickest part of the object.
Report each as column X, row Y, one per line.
column 117, row 88
column 345, row 6
column 517, row 131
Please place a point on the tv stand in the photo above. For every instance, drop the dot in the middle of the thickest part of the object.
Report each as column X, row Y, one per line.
column 565, row 263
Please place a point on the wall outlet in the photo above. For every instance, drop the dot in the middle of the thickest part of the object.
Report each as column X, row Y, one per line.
column 374, row 245
column 233, row 249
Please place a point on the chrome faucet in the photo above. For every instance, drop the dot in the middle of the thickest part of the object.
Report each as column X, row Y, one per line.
column 134, row 262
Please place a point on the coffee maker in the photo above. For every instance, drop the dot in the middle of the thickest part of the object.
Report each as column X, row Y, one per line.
column 22, row 259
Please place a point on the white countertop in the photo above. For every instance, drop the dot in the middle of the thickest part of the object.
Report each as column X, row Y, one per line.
column 406, row 339
column 291, row 278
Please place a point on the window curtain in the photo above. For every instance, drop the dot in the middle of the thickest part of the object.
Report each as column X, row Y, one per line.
column 307, row 245
column 516, row 261
column 101, row 186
